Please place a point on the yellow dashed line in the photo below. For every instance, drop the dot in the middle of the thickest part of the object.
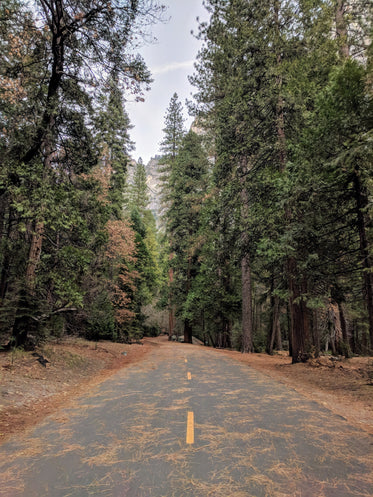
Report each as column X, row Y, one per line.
column 190, row 428
column 189, row 375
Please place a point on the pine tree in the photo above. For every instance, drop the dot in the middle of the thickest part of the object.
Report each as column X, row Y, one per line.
column 235, row 94
column 217, row 286
column 187, row 185
column 139, row 197
column 258, row 77
column 147, row 249
column 112, row 130
column 53, row 143
column 173, row 135
column 173, row 131
column 342, row 124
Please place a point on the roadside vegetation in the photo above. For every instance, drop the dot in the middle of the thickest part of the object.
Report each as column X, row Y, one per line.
column 264, row 238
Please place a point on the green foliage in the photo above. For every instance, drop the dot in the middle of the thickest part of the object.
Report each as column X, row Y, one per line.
column 112, row 130
column 100, row 319
column 138, row 190
column 186, row 188
column 291, row 126
column 174, row 130
column 64, row 146
column 147, row 249
column 287, row 118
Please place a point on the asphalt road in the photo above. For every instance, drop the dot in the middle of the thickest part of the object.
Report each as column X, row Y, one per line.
column 187, row 422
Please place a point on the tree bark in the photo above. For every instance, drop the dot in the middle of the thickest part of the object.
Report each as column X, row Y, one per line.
column 247, row 310
column 5, row 263
column 299, row 336
column 4, row 202
column 274, row 331
column 187, row 324
column 227, row 335
column 361, row 205
column 346, row 349
column 355, row 338
column 212, row 339
column 34, row 255
column 247, row 321
column 170, row 323
column 44, row 133
column 315, row 333
column 299, row 319
column 188, row 331
column 171, row 316
column 24, row 322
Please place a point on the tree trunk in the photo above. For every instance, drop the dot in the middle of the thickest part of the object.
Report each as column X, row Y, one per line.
column 188, row 332
column 171, row 316
column 361, row 205
column 24, row 321
column 247, row 321
column 274, row 331
column 355, row 338
column 247, row 310
column 4, row 209
column 187, row 323
column 45, row 131
column 346, row 349
column 278, row 338
column 5, row 263
column 227, row 335
column 34, row 255
column 299, row 318
column 290, row 337
column 170, row 323
column 42, row 144
column 336, row 338
column 213, row 341
column 315, row 333
column 300, row 332
column 299, row 340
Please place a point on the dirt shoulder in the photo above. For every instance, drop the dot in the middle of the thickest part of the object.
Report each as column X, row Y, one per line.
column 31, row 388
column 35, row 384
column 344, row 386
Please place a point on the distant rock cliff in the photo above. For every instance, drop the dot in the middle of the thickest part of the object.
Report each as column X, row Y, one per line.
column 154, row 183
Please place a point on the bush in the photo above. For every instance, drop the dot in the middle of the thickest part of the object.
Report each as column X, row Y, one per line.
column 100, row 320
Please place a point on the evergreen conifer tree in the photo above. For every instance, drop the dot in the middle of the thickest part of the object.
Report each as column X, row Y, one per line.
column 173, row 135
column 48, row 148
column 139, row 197
column 187, row 188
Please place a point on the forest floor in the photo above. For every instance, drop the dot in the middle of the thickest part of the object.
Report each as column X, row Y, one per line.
column 31, row 389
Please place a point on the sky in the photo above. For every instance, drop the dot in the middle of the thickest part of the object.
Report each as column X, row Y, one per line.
column 170, row 60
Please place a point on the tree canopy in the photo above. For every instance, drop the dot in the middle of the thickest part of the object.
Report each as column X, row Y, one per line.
column 265, row 235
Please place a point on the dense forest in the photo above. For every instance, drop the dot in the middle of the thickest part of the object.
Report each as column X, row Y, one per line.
column 264, row 236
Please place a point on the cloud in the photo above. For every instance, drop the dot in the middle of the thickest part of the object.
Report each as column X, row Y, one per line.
column 172, row 67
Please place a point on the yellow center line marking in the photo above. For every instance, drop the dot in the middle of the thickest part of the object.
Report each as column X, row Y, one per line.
column 189, row 375
column 186, row 360
column 190, row 428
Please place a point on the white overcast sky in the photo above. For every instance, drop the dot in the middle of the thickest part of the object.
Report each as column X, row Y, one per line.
column 170, row 61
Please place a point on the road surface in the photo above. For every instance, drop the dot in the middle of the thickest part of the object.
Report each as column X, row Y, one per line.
column 187, row 422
